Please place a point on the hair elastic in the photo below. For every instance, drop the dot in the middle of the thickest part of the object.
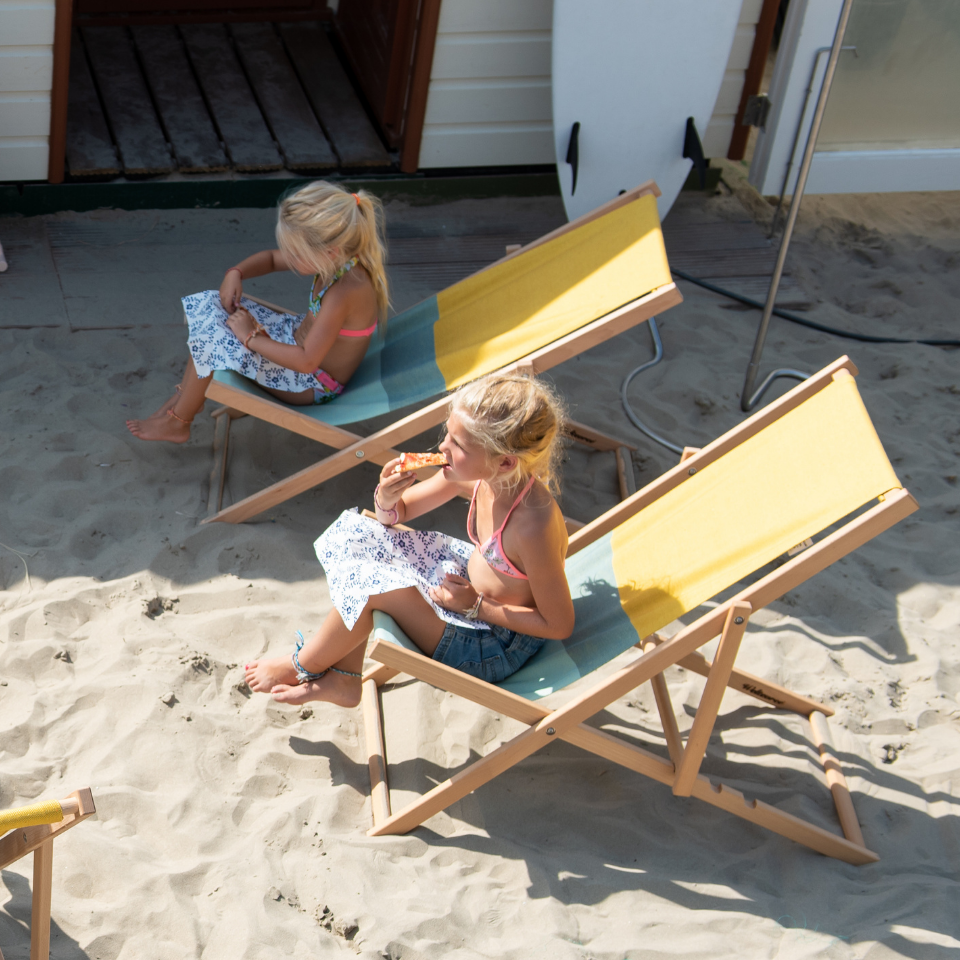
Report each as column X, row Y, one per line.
column 356, row 197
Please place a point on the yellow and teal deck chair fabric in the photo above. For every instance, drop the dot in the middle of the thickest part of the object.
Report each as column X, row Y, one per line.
column 32, row 829
column 786, row 475
column 553, row 299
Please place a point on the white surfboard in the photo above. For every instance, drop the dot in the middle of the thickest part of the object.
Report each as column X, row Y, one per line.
column 630, row 72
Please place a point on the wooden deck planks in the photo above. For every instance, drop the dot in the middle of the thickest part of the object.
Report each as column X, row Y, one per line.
column 136, row 129
column 733, row 254
column 242, row 127
column 281, row 98
column 178, row 98
column 332, row 96
column 90, row 151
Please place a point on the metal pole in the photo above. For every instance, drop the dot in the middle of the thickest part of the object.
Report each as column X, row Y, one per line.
column 748, row 401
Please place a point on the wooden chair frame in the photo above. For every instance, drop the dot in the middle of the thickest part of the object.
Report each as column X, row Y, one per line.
column 728, row 621
column 379, row 447
column 38, row 840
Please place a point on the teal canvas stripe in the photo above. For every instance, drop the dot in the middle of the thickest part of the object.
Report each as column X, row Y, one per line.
column 398, row 370
column 603, row 630
column 408, row 363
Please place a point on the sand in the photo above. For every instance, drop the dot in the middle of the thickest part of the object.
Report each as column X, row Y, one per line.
column 231, row 827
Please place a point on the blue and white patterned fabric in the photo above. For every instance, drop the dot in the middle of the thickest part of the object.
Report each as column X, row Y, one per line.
column 214, row 346
column 363, row 558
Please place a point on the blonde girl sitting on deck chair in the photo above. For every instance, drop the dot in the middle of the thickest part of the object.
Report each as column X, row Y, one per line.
column 324, row 231
column 484, row 607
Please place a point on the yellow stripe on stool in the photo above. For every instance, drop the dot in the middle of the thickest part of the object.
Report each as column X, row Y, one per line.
column 47, row 811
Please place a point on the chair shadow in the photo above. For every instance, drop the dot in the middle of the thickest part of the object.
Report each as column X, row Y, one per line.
column 640, row 837
column 15, row 924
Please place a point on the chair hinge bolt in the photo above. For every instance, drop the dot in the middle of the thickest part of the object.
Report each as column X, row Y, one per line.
column 359, row 454
column 738, row 620
column 692, row 471
column 550, row 731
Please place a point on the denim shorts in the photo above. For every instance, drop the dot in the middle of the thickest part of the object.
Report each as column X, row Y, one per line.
column 488, row 652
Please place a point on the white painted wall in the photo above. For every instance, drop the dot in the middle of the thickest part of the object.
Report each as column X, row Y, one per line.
column 489, row 100
column 810, row 25
column 26, row 73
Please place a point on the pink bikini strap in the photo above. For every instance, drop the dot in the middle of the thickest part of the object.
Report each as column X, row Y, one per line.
column 523, row 493
column 358, row 333
column 472, row 515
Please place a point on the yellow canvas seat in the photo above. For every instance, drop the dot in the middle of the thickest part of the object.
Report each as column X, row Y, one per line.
column 787, row 475
column 551, row 300
column 32, row 829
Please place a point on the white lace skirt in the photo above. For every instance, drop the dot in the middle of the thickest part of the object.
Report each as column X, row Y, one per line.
column 214, row 346
column 363, row 558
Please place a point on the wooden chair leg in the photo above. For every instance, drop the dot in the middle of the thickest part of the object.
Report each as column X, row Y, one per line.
column 376, row 754
column 703, row 723
column 625, row 474
column 667, row 716
column 836, row 780
column 754, row 686
column 720, row 795
column 221, row 446
column 42, row 890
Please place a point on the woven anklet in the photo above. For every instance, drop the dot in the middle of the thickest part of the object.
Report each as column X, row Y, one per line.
column 170, row 413
column 303, row 676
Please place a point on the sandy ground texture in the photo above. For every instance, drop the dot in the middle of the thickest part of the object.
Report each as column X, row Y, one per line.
column 231, row 827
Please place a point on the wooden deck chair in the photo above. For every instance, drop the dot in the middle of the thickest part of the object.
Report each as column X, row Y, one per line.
column 547, row 302
column 787, row 474
column 34, row 828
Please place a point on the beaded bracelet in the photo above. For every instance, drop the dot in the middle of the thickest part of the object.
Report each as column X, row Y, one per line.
column 377, row 504
column 257, row 331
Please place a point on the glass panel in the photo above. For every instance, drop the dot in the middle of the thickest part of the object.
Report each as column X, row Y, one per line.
column 902, row 88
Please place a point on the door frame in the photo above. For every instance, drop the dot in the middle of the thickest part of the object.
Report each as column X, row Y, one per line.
column 59, row 91
column 810, row 25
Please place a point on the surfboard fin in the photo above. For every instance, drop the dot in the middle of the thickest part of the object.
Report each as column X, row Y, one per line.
column 692, row 150
column 573, row 154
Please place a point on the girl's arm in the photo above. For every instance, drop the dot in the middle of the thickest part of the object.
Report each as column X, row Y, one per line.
column 552, row 616
column 256, row 265
column 398, row 492
column 337, row 305
column 304, row 359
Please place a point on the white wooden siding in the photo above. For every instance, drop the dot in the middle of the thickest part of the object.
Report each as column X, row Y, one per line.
column 716, row 138
column 489, row 100
column 26, row 72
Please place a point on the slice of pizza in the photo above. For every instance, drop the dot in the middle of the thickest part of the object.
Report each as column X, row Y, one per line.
column 417, row 461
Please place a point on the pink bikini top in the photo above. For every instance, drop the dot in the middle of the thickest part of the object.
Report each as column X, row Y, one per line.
column 492, row 549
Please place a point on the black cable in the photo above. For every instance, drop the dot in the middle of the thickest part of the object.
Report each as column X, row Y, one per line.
column 793, row 318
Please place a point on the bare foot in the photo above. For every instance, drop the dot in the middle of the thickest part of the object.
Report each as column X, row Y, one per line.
column 333, row 687
column 263, row 675
column 160, row 427
column 168, row 405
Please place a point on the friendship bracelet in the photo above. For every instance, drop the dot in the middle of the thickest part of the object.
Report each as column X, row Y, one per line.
column 237, row 269
column 379, row 506
column 474, row 611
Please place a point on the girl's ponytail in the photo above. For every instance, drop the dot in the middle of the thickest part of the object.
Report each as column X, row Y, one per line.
column 371, row 251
